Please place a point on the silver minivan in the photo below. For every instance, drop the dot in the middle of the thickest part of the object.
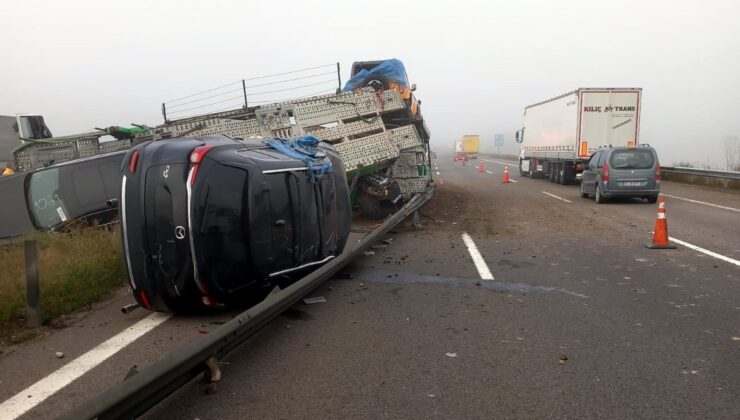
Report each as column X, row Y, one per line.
column 622, row 172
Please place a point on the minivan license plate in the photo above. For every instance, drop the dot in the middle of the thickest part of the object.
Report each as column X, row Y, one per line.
column 632, row 184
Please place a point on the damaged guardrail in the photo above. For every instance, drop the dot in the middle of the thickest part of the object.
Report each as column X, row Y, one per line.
column 708, row 177
column 137, row 394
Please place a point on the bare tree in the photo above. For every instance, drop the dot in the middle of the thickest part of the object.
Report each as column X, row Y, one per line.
column 732, row 153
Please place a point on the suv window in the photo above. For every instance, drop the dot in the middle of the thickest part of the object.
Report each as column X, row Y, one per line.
column 594, row 160
column 602, row 159
column 632, row 159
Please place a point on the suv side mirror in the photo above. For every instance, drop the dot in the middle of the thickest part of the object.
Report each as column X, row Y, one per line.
column 413, row 87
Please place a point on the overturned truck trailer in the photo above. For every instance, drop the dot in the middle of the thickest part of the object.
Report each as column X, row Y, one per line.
column 375, row 125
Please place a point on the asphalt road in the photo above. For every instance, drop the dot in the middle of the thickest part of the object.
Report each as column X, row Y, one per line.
column 579, row 320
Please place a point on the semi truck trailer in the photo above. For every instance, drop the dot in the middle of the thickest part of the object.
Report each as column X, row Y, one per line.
column 559, row 135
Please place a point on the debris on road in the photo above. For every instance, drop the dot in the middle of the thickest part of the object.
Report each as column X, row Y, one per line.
column 451, row 354
column 313, row 300
column 59, row 355
column 368, row 253
column 563, row 359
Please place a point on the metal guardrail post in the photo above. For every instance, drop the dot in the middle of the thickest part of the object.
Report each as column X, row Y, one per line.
column 164, row 112
column 33, row 287
column 339, row 77
column 244, row 89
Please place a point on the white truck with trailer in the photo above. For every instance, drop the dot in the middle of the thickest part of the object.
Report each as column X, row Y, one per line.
column 560, row 134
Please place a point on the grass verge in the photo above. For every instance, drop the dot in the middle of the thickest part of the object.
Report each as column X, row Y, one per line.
column 76, row 269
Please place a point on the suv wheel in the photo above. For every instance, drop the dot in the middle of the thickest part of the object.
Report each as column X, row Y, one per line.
column 652, row 199
column 597, row 195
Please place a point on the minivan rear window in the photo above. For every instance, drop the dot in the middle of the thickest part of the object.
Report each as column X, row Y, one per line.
column 632, row 159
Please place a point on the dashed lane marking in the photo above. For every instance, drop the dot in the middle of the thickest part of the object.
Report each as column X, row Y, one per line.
column 35, row 394
column 555, row 196
column 705, row 251
column 701, row 202
column 480, row 263
column 510, row 179
column 501, row 163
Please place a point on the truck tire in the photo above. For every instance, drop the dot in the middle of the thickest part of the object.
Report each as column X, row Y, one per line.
column 551, row 172
column 563, row 171
column 558, row 172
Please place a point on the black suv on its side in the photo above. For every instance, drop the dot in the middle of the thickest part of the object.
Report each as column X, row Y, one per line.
column 215, row 221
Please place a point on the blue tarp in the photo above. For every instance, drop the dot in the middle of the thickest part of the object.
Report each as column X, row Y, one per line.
column 391, row 70
column 305, row 149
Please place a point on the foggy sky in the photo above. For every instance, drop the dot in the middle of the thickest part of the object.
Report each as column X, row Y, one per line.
column 477, row 64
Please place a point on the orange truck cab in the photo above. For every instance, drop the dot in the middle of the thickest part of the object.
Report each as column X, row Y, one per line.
column 383, row 75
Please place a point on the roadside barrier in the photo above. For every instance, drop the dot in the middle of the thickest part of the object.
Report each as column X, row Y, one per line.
column 660, row 232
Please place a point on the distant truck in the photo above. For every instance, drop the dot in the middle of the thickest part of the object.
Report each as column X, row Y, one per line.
column 468, row 147
column 560, row 134
column 471, row 145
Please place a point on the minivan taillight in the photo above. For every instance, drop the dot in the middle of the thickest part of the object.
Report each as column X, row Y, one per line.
column 134, row 160
column 657, row 171
column 196, row 157
column 605, row 172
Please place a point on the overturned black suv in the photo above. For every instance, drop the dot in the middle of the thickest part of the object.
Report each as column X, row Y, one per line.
column 215, row 221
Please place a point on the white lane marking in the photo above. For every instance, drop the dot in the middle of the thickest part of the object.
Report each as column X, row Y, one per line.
column 35, row 394
column 501, row 163
column 489, row 172
column 480, row 263
column 555, row 196
column 705, row 251
column 701, row 202
column 513, row 180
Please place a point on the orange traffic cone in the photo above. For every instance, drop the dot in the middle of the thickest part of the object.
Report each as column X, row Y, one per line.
column 660, row 233
column 480, row 167
column 505, row 179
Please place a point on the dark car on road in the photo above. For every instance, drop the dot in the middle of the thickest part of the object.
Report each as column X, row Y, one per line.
column 59, row 195
column 622, row 172
column 215, row 221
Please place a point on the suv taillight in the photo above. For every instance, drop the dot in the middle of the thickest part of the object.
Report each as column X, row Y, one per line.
column 133, row 162
column 657, row 171
column 196, row 157
column 605, row 172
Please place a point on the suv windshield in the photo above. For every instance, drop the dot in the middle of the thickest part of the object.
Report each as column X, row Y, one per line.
column 44, row 196
column 632, row 159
